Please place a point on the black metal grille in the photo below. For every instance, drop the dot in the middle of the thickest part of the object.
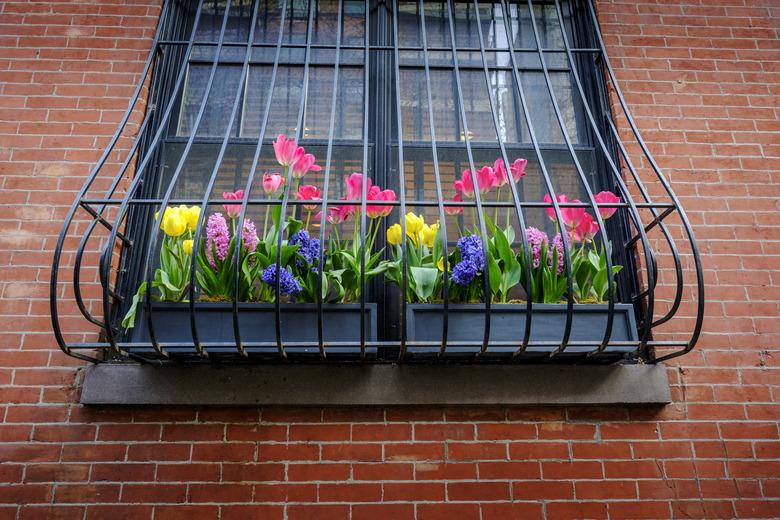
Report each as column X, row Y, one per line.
column 213, row 74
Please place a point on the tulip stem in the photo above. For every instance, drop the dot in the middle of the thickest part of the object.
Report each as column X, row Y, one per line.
column 308, row 218
column 265, row 220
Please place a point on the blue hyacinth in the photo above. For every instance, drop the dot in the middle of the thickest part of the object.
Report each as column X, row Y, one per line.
column 287, row 282
column 464, row 272
column 471, row 250
column 309, row 248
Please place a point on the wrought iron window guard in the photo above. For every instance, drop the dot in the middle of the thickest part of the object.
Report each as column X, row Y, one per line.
column 127, row 168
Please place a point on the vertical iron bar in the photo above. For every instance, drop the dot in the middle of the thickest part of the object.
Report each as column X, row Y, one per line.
column 402, row 187
column 580, row 172
column 105, row 264
column 472, row 167
column 364, row 185
column 298, row 134
column 616, row 172
column 680, row 211
column 664, row 229
column 326, row 180
column 437, row 176
column 251, row 176
column 238, row 235
column 156, row 231
column 543, row 168
column 53, row 299
column 510, row 179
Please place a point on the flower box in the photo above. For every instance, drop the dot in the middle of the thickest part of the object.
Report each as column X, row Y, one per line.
column 466, row 324
column 257, row 323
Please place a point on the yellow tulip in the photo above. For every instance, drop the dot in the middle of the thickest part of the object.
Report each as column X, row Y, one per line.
column 414, row 224
column 440, row 264
column 191, row 215
column 428, row 234
column 173, row 224
column 187, row 246
column 394, row 234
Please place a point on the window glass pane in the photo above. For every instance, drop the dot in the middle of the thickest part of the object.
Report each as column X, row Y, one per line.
column 219, row 103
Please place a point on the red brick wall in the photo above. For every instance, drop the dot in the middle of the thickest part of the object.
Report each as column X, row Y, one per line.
column 703, row 79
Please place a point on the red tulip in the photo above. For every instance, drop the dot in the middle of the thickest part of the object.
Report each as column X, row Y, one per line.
column 308, row 192
column 272, row 183
column 233, row 210
column 336, row 215
column 304, row 165
column 454, row 210
column 287, row 151
column 571, row 216
column 606, row 197
column 586, row 230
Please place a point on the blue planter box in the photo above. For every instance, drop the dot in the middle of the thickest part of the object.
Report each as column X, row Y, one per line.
column 466, row 324
column 257, row 324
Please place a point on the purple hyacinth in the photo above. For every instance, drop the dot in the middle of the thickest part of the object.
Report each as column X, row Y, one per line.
column 249, row 235
column 287, row 282
column 464, row 272
column 535, row 239
column 557, row 245
column 217, row 237
column 471, row 250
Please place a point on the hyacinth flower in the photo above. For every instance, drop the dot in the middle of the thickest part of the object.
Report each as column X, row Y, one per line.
column 215, row 274
column 172, row 278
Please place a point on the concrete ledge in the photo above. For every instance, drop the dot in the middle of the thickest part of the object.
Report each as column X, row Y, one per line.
column 340, row 385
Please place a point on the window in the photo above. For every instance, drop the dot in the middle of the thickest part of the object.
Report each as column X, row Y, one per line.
column 411, row 94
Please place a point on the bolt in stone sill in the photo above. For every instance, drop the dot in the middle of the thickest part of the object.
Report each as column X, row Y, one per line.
column 381, row 385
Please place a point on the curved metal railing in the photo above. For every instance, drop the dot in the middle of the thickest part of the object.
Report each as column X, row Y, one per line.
column 649, row 221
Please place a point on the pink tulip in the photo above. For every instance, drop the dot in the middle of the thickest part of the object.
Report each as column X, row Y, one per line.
column 304, row 165
column 454, row 210
column 308, row 192
column 355, row 186
column 376, row 194
column 571, row 216
column 517, row 169
column 586, row 230
column 606, row 197
column 272, row 183
column 233, row 210
column 287, row 151
column 486, row 179
column 336, row 215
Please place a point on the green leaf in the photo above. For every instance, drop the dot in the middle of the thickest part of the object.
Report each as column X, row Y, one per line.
column 495, row 274
column 128, row 322
column 166, row 281
column 424, row 281
column 503, row 248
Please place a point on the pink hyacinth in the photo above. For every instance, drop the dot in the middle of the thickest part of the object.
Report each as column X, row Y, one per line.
column 606, row 197
column 377, row 194
column 272, row 183
column 249, row 236
column 287, row 150
column 308, row 192
column 233, row 210
column 217, row 238
column 557, row 245
column 454, row 210
column 486, row 179
column 304, row 165
column 536, row 238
